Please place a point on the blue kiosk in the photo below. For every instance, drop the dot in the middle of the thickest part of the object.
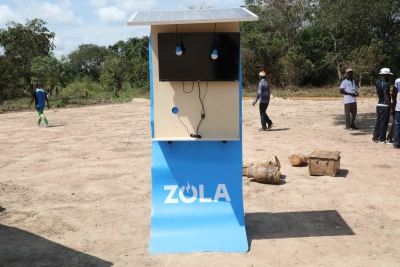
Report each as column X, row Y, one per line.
column 196, row 91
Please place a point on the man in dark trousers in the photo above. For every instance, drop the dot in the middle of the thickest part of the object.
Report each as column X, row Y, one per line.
column 263, row 95
column 348, row 90
column 383, row 107
column 396, row 109
column 39, row 96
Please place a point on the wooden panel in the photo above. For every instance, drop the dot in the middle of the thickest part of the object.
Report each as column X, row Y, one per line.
column 221, row 102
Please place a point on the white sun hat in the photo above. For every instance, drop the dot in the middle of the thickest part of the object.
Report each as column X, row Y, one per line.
column 385, row 71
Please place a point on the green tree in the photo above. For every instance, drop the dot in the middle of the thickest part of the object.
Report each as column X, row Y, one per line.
column 351, row 24
column 134, row 55
column 367, row 60
column 132, row 48
column 295, row 66
column 87, row 60
column 266, row 41
column 50, row 71
column 113, row 73
column 9, row 80
column 23, row 43
column 316, row 44
column 139, row 75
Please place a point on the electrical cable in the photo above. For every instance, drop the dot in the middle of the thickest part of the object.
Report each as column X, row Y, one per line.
column 203, row 112
column 188, row 92
column 176, row 35
column 215, row 39
column 187, row 129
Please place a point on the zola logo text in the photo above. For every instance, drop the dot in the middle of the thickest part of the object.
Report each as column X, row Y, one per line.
column 220, row 193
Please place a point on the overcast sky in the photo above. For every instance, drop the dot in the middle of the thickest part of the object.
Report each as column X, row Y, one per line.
column 101, row 22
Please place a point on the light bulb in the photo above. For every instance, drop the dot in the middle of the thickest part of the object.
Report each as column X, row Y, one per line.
column 214, row 54
column 178, row 50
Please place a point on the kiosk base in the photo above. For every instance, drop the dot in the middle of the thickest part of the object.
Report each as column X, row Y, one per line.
column 197, row 202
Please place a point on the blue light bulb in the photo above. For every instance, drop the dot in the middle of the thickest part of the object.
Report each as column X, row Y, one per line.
column 178, row 50
column 214, row 54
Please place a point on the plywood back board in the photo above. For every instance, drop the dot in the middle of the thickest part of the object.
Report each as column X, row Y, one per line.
column 221, row 102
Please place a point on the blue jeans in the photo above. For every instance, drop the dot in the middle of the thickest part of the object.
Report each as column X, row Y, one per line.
column 396, row 130
column 381, row 125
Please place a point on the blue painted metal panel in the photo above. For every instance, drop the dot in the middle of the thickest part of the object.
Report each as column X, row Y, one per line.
column 151, row 85
column 208, row 177
column 197, row 201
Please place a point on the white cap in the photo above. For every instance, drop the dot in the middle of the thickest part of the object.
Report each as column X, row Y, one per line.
column 349, row 69
column 385, row 71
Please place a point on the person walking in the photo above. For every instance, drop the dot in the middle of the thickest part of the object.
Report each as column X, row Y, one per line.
column 396, row 121
column 264, row 96
column 39, row 96
column 383, row 107
column 348, row 90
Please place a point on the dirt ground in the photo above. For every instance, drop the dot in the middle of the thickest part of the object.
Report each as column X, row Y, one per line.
column 78, row 193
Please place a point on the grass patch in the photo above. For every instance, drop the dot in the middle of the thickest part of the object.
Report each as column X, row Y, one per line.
column 80, row 94
column 308, row 92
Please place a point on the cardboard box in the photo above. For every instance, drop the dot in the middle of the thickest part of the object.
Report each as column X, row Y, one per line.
column 324, row 163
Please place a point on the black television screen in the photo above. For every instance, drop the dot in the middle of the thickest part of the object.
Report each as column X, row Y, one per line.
column 196, row 64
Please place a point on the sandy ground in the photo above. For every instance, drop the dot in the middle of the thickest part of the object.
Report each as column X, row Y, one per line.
column 78, row 193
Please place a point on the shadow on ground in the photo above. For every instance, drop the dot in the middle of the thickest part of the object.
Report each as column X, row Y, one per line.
column 364, row 121
column 342, row 173
column 21, row 248
column 281, row 181
column 265, row 225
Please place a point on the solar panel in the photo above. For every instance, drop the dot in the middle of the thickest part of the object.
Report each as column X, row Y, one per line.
column 191, row 16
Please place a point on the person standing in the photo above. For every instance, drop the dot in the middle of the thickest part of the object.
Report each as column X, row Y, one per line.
column 264, row 96
column 348, row 90
column 396, row 121
column 383, row 107
column 39, row 96
column 392, row 112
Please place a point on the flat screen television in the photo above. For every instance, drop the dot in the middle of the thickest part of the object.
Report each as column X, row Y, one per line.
column 195, row 63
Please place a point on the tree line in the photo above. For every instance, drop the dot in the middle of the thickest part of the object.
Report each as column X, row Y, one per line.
column 28, row 57
column 297, row 42
column 301, row 42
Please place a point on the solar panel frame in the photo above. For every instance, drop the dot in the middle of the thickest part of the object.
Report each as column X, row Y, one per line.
column 191, row 16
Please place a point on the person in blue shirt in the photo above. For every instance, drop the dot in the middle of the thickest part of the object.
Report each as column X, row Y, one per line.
column 264, row 96
column 40, row 98
column 383, row 107
column 396, row 111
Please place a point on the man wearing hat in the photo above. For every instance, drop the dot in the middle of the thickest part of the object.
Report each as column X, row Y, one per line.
column 383, row 107
column 263, row 95
column 348, row 90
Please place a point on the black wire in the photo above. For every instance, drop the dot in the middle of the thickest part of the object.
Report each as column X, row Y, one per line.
column 176, row 35
column 184, row 88
column 215, row 39
column 203, row 112
column 187, row 129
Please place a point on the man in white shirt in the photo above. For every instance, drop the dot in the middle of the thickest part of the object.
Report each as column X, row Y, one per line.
column 348, row 90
